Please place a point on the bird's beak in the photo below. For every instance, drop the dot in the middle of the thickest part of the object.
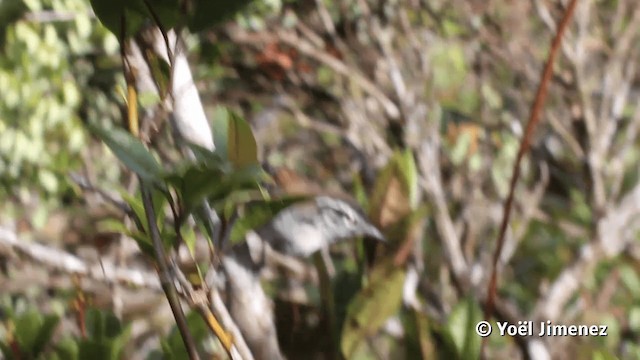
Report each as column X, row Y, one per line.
column 373, row 232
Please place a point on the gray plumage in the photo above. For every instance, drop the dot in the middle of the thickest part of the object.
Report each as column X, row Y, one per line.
column 299, row 230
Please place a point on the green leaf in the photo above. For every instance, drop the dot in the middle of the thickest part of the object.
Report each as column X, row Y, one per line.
column 67, row 349
column 173, row 346
column 221, row 130
column 102, row 325
column 159, row 200
column 241, row 145
column 112, row 12
column 193, row 182
column 27, row 327
column 97, row 350
column 211, row 179
column 113, row 226
column 106, row 336
column 161, row 73
column 395, row 192
column 6, row 351
column 418, row 337
column 461, row 326
column 372, row 306
column 144, row 243
column 44, row 334
column 409, row 172
column 631, row 280
column 189, row 237
column 210, row 158
column 130, row 151
column 203, row 14
column 207, row 13
column 95, row 324
column 257, row 213
column 136, row 13
column 33, row 331
column 135, row 203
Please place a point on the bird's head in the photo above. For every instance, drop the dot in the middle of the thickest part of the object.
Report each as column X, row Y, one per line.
column 306, row 227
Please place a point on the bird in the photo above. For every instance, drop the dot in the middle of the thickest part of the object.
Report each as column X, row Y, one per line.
column 299, row 230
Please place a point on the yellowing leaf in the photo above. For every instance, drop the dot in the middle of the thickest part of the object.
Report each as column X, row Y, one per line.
column 241, row 145
column 396, row 190
column 372, row 306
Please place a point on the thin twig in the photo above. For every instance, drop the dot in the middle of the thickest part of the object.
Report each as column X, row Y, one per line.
column 165, row 274
column 524, row 147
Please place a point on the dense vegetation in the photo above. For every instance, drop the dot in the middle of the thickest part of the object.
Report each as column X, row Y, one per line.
column 417, row 109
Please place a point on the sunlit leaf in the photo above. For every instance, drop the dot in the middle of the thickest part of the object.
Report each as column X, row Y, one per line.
column 372, row 306
column 220, row 127
column 241, row 144
column 395, row 191
column 461, row 326
column 130, row 151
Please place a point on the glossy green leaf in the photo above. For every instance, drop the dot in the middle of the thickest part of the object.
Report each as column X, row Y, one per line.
column 241, row 144
column 372, row 306
column 130, row 151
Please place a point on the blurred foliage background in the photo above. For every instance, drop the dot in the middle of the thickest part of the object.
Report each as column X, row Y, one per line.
column 340, row 93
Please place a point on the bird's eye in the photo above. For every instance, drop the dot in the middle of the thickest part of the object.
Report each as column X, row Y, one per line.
column 341, row 216
column 348, row 217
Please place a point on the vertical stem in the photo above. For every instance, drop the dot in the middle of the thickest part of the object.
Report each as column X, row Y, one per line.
column 328, row 302
column 165, row 275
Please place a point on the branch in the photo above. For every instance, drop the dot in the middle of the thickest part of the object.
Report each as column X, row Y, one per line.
column 429, row 166
column 323, row 57
column 164, row 273
column 532, row 123
column 614, row 231
column 61, row 260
